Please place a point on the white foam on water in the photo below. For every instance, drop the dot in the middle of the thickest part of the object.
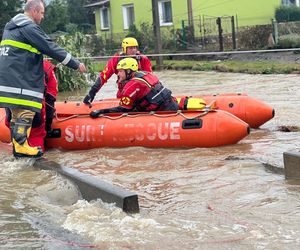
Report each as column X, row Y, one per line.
column 58, row 191
column 104, row 222
column 10, row 164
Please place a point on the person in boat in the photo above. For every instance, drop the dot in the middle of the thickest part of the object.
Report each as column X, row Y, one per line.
column 42, row 122
column 129, row 49
column 21, row 72
column 141, row 91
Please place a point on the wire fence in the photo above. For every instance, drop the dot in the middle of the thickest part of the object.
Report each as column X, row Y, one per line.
column 201, row 53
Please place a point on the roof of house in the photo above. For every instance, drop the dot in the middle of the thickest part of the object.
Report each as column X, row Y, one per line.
column 98, row 3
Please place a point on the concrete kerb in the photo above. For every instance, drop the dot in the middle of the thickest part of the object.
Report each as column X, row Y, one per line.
column 92, row 188
column 291, row 165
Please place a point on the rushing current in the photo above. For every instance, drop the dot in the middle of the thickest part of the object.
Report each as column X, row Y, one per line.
column 202, row 198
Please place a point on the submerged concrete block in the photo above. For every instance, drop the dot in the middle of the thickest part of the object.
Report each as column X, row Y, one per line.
column 291, row 162
column 92, row 188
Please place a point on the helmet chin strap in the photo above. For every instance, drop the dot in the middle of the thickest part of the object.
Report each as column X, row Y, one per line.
column 128, row 73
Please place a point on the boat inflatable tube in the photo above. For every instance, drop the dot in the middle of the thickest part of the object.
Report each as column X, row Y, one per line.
column 182, row 129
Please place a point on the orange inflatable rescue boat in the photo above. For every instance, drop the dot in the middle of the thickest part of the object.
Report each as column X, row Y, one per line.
column 194, row 127
column 183, row 129
column 250, row 110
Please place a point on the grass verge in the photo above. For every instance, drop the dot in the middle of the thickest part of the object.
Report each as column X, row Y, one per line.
column 223, row 66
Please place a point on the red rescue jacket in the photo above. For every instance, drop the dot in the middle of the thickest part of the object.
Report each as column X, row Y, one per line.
column 50, row 78
column 144, row 64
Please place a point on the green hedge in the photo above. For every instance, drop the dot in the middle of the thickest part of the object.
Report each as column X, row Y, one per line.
column 287, row 14
column 288, row 41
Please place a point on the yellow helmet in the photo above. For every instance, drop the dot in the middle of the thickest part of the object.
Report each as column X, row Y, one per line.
column 128, row 42
column 128, row 63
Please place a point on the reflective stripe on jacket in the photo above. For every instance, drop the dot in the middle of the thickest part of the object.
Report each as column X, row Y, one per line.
column 21, row 63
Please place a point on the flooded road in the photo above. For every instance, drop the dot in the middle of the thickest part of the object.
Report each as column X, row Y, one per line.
column 202, row 198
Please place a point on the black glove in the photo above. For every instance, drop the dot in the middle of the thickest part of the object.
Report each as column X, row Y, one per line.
column 54, row 133
column 96, row 113
column 88, row 99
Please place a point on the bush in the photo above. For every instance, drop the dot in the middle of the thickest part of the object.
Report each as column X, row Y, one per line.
column 289, row 41
column 71, row 28
column 254, row 37
column 146, row 39
column 287, row 14
column 69, row 79
column 95, row 44
column 168, row 39
column 144, row 36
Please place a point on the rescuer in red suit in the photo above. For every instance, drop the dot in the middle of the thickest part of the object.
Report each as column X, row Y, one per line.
column 141, row 91
column 129, row 49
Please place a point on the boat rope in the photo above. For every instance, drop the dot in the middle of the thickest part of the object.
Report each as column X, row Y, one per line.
column 206, row 110
column 68, row 118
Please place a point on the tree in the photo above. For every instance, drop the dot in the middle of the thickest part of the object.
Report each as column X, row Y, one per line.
column 56, row 16
column 9, row 8
column 77, row 11
column 66, row 15
column 80, row 15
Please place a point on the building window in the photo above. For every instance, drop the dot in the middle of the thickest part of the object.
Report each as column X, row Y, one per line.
column 290, row 2
column 128, row 15
column 104, row 18
column 165, row 12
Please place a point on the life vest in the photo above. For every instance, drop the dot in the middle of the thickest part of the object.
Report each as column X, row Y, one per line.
column 158, row 98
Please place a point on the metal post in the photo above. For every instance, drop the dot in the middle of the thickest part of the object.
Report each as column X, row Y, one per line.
column 156, row 29
column 291, row 165
column 191, row 20
column 219, row 23
column 183, row 42
column 233, row 33
column 237, row 29
column 202, row 24
column 275, row 30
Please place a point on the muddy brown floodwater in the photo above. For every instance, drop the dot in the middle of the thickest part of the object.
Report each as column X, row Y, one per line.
column 201, row 198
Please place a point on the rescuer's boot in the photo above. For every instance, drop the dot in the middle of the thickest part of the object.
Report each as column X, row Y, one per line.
column 20, row 136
